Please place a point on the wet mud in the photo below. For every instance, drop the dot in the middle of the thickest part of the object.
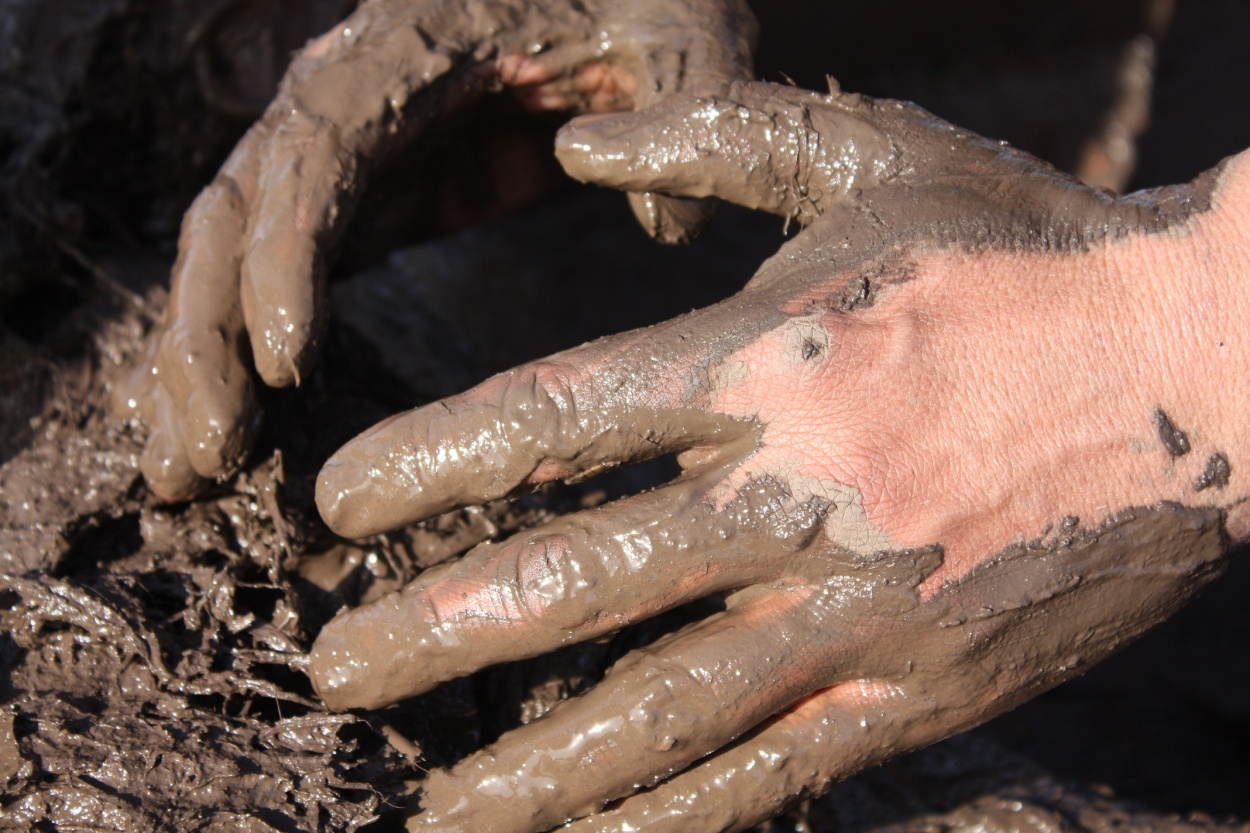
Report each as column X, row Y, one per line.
column 152, row 657
column 1174, row 439
column 1215, row 474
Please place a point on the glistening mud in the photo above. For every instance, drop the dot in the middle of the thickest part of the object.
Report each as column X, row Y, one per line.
column 152, row 662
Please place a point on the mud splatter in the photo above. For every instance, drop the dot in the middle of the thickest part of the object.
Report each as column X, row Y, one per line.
column 1215, row 474
column 1174, row 439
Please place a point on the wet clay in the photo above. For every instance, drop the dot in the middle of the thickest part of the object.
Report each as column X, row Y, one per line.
column 1174, row 439
column 151, row 663
column 148, row 656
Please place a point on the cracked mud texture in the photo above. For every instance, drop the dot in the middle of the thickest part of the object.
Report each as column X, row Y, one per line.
column 151, row 657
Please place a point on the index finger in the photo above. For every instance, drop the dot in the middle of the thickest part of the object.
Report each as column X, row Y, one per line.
column 342, row 104
column 622, row 399
column 714, row 45
column 779, row 149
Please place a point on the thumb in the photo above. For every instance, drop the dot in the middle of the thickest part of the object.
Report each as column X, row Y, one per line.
column 713, row 43
column 765, row 146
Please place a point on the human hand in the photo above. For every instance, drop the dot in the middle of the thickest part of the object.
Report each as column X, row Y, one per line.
column 946, row 450
column 248, row 285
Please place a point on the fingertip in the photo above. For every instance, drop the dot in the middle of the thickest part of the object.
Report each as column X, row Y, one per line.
column 661, row 149
column 342, row 496
column 282, row 322
column 167, row 469
column 340, row 670
column 364, row 658
column 281, row 361
column 614, row 151
column 127, row 393
column 294, row 223
column 357, row 495
column 329, row 673
column 597, row 148
column 130, row 388
column 384, row 479
column 671, row 220
column 220, row 429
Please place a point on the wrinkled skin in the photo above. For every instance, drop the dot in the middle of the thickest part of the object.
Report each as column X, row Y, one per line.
column 248, row 285
column 922, row 461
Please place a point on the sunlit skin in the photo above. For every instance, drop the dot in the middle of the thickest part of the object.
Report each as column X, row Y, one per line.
column 977, row 404
column 979, row 397
column 923, row 463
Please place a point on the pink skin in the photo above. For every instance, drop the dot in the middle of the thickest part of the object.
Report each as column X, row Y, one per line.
column 981, row 402
column 976, row 404
column 986, row 396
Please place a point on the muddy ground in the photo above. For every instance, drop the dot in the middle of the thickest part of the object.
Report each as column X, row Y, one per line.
column 151, row 656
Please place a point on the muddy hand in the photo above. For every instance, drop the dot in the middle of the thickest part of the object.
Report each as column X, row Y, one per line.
column 949, row 447
column 248, row 286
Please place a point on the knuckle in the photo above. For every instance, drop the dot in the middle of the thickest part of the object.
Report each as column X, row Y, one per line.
column 551, row 584
column 674, row 709
column 554, row 380
column 222, row 197
column 540, row 407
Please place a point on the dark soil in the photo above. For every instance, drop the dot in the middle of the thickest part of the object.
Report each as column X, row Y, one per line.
column 151, row 656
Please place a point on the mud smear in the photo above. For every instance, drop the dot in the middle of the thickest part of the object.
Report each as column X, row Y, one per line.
column 1174, row 439
column 1215, row 474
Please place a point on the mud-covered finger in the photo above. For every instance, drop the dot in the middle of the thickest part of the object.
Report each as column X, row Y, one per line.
column 778, row 149
column 201, row 412
column 201, row 356
column 1014, row 627
column 129, row 391
column 656, row 712
column 827, row 737
column 571, row 415
column 372, row 84
column 716, row 44
column 575, row 578
column 164, row 461
column 301, row 188
column 672, row 218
